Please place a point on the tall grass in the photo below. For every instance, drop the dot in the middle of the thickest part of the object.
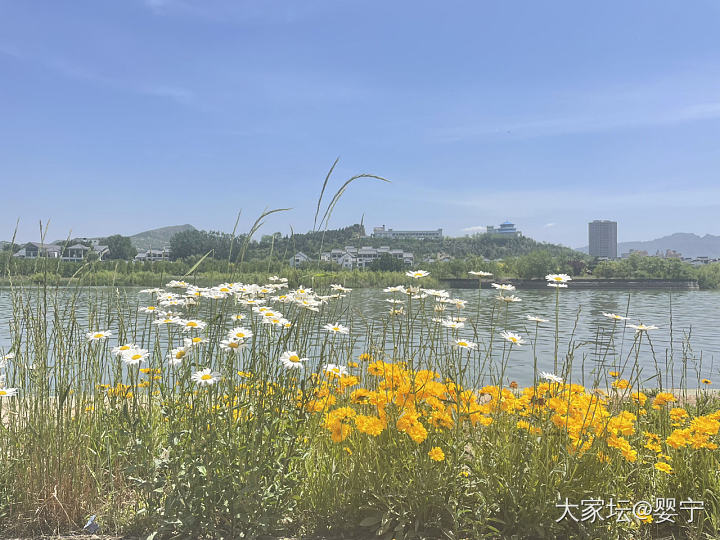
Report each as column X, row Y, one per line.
column 415, row 435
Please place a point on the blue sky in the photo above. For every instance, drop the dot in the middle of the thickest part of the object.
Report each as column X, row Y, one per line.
column 125, row 115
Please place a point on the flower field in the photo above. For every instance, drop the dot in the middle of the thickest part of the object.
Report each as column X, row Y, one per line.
column 243, row 410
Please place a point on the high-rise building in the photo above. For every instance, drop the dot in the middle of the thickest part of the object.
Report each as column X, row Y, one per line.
column 602, row 238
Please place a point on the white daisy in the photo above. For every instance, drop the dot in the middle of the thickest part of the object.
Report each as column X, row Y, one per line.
column 551, row 377
column 192, row 324
column 463, row 344
column 536, row 319
column 148, row 309
column 334, row 369
column 395, row 288
column 509, row 299
column 134, row 356
column 615, row 316
column 558, row 278
column 167, row 319
column 337, row 328
column 240, row 332
column 176, row 355
column 642, row 327
column 122, row 349
column 417, row 274
column 205, row 377
column 513, row 338
column 449, row 323
column 233, row 345
column 8, row 392
column 340, row 288
column 480, row 273
column 503, row 286
column 98, row 335
column 291, row 360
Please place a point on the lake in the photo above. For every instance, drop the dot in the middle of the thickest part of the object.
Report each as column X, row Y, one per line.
column 691, row 318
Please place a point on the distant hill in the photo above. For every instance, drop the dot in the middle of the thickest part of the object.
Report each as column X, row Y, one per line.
column 689, row 244
column 158, row 238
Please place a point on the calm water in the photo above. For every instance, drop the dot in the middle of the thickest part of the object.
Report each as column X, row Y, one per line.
column 695, row 321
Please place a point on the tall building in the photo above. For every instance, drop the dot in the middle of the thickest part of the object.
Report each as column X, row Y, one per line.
column 602, row 238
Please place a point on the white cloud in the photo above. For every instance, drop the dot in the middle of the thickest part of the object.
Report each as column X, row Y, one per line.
column 548, row 225
column 474, row 228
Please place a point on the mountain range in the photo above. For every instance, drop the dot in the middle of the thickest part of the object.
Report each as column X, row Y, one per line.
column 154, row 238
column 157, row 238
column 688, row 244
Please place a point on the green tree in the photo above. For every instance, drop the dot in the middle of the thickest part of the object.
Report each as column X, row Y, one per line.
column 387, row 263
column 119, row 247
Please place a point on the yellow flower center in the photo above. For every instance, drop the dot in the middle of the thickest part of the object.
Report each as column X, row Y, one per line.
column 3, row 393
column 191, row 323
column 294, row 358
column 98, row 336
column 558, row 278
column 179, row 354
column 136, row 357
column 125, row 347
column 463, row 343
column 206, row 377
column 233, row 345
column 240, row 334
column 151, row 308
column 196, row 339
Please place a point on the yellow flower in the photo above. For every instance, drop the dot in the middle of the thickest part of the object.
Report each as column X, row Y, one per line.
column 663, row 398
column 706, row 381
column 614, row 374
column 348, row 451
column 436, row 454
column 621, row 384
column 679, row 438
column 372, row 425
column 664, row 467
column 677, row 415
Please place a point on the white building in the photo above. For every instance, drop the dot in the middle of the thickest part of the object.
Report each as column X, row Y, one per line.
column 352, row 257
column 382, row 232
column 74, row 253
column 153, row 255
column 298, row 259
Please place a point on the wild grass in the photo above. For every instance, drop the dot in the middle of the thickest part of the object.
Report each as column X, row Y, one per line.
column 405, row 427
